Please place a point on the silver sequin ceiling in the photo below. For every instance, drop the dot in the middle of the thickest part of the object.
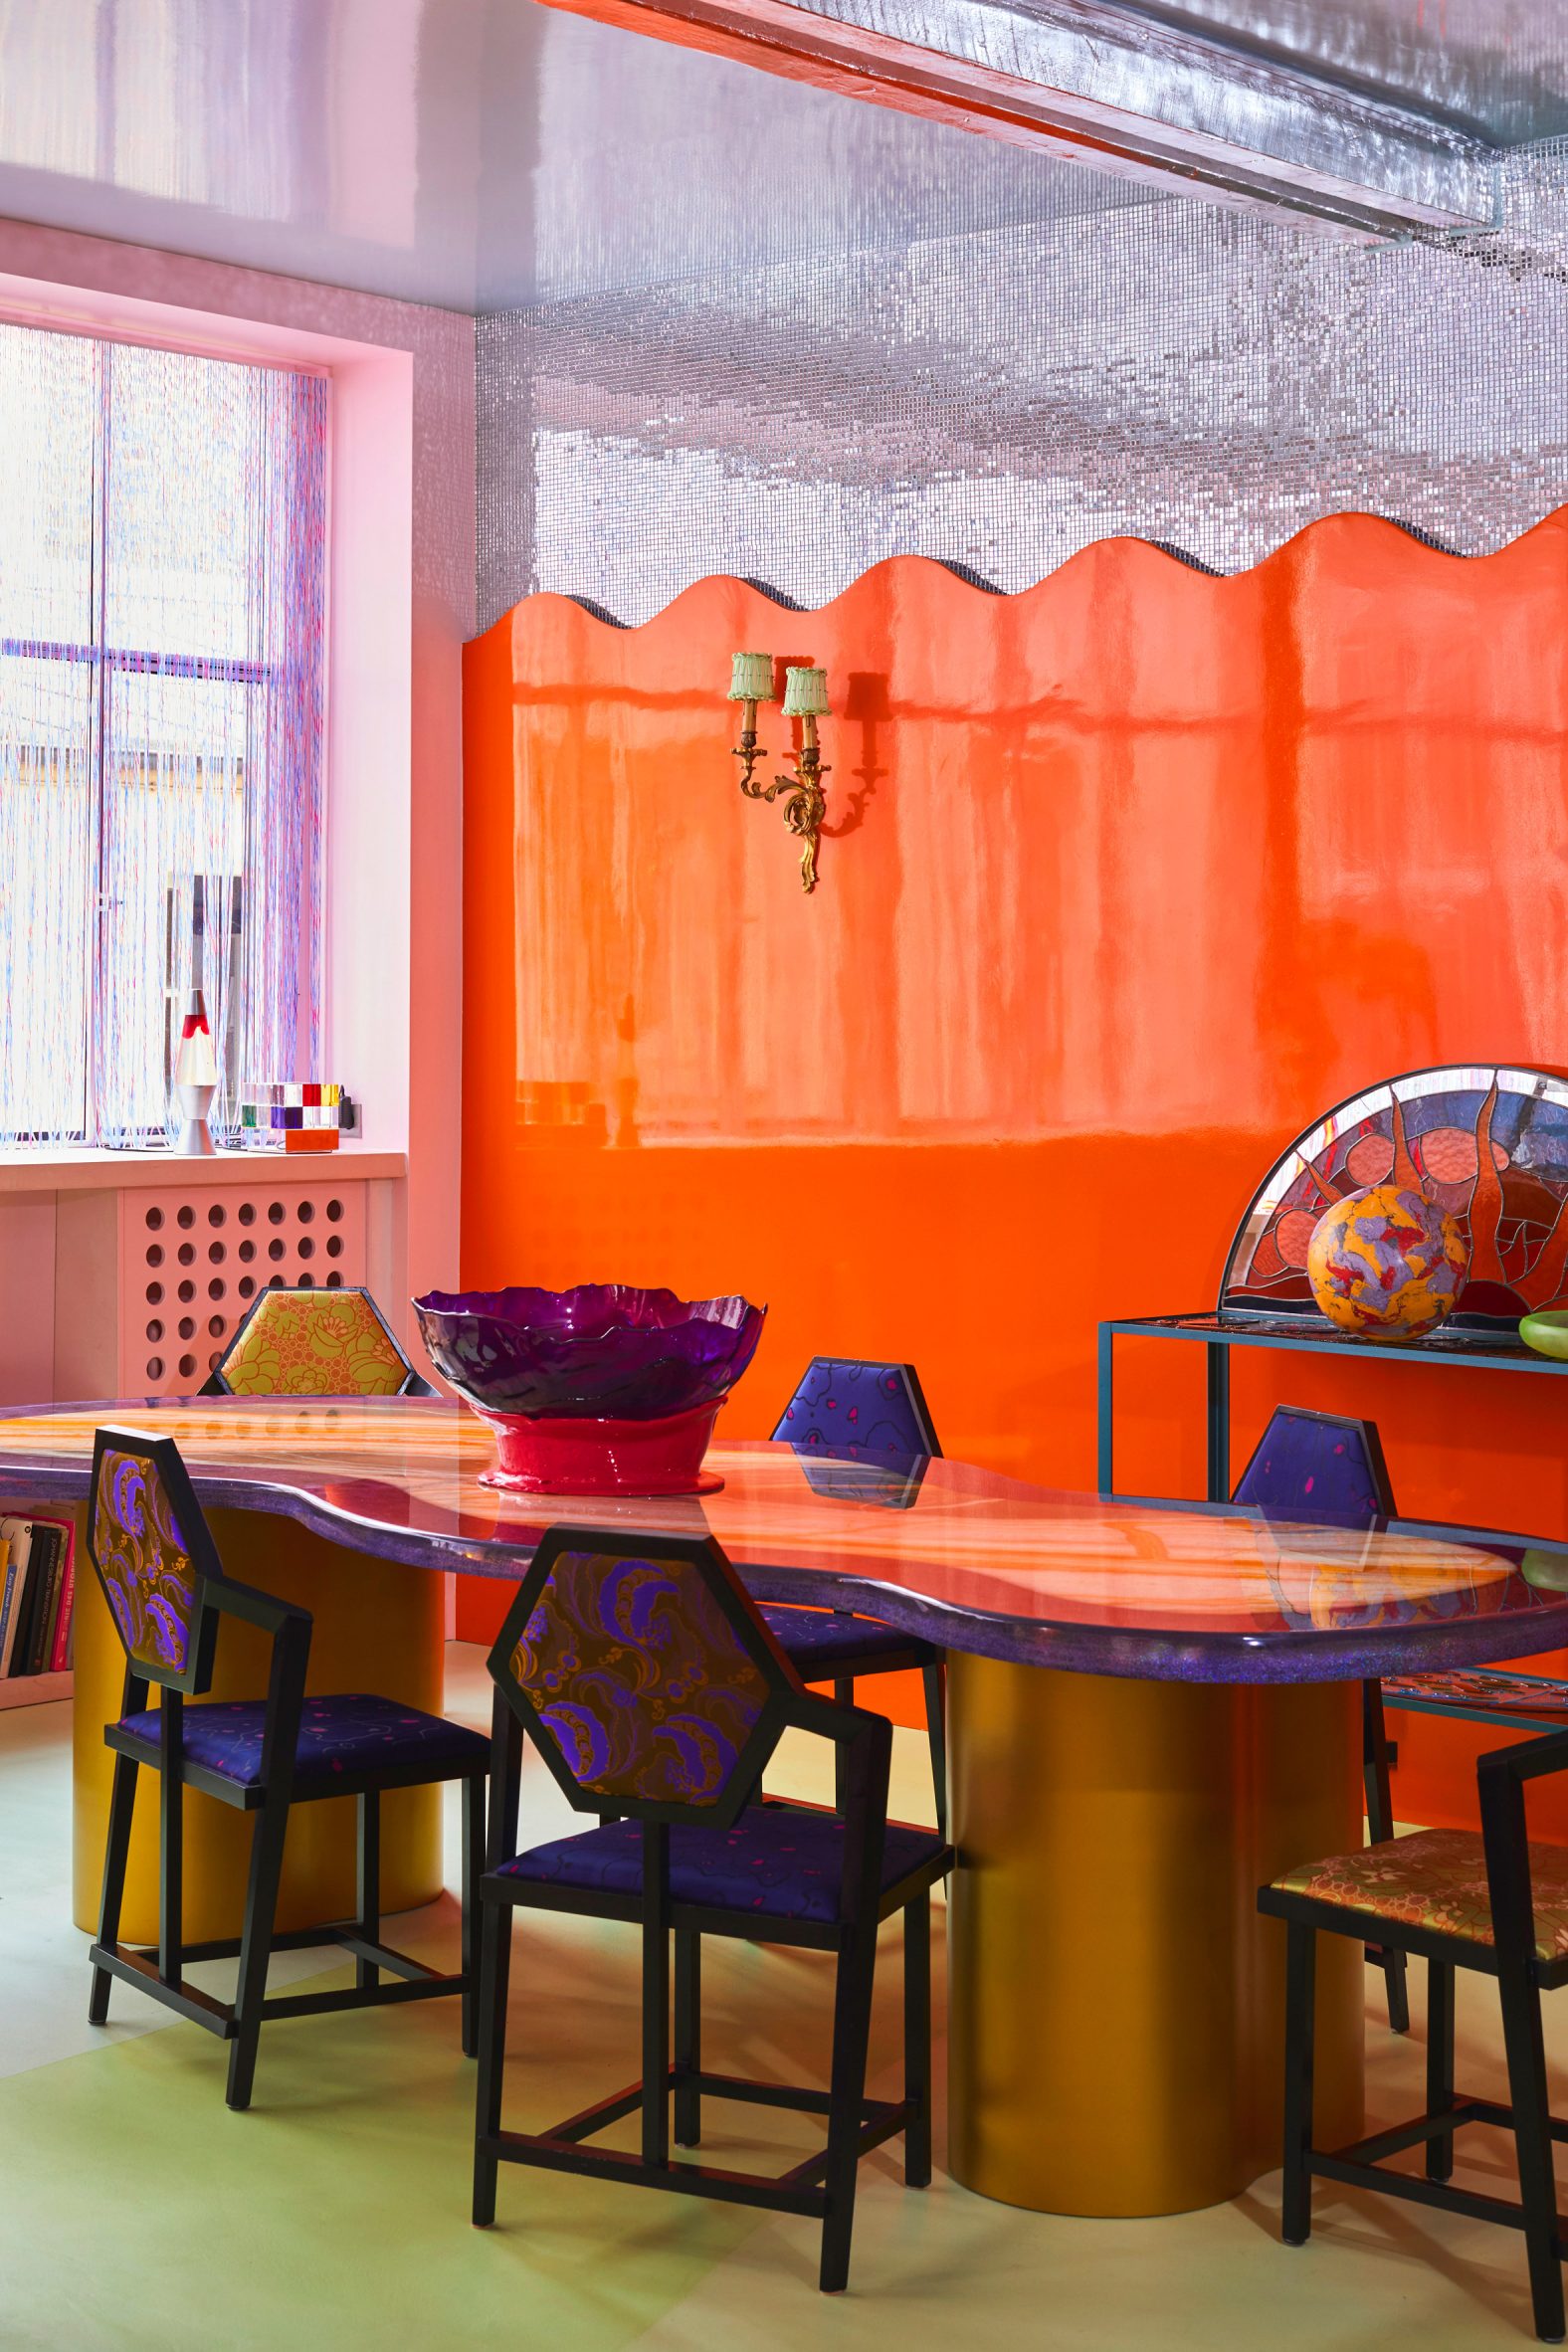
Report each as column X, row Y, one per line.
column 782, row 334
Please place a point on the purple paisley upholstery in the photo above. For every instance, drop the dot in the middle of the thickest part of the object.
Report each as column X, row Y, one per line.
column 353, row 1733
column 636, row 1673
column 1313, row 1468
column 776, row 1861
column 143, row 1561
column 855, row 1408
column 821, row 1641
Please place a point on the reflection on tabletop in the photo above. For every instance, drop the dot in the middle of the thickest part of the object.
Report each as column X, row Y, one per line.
column 943, row 1532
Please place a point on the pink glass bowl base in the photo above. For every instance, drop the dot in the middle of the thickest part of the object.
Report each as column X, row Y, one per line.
column 555, row 1454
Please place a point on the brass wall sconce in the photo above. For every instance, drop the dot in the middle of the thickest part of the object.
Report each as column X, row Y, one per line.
column 805, row 699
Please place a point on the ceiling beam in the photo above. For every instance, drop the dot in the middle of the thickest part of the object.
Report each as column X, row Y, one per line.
column 1103, row 85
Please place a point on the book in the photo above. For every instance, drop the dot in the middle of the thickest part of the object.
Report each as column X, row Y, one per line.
column 26, row 1606
column 8, row 1567
column 19, row 1537
column 49, row 1606
column 40, row 1567
column 59, row 1648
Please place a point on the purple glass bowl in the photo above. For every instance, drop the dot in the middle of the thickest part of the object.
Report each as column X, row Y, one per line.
column 601, row 1350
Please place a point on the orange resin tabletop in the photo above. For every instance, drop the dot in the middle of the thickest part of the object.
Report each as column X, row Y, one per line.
column 983, row 1563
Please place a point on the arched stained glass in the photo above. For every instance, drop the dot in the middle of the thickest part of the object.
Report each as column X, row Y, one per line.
column 1487, row 1142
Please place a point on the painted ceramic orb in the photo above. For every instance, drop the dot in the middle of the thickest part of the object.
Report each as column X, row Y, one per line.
column 1386, row 1264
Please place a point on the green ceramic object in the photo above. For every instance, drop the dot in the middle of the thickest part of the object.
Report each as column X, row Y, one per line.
column 1546, row 1333
column 1547, row 1571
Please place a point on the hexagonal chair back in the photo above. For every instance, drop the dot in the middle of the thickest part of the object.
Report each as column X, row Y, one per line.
column 153, row 1556
column 642, row 1672
column 849, row 1407
column 314, row 1342
column 1318, row 1465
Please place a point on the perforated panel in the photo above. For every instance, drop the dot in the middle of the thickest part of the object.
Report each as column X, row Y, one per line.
column 193, row 1256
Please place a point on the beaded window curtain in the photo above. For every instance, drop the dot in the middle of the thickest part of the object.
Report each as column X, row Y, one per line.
column 162, row 612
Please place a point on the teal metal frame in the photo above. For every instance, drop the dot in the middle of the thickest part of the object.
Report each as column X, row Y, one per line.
column 1206, row 1331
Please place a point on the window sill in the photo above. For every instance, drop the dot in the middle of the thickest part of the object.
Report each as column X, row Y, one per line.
column 64, row 1168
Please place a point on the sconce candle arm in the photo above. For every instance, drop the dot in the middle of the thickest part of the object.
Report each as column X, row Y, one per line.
column 748, row 752
column 806, row 803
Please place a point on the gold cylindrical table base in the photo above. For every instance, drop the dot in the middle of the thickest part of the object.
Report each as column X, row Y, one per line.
column 378, row 1627
column 1116, row 2004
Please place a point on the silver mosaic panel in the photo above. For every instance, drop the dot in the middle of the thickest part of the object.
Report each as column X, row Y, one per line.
column 973, row 353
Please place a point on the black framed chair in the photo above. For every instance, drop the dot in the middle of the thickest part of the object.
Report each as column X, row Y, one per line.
column 321, row 1339
column 648, row 1681
column 1329, row 1466
column 158, row 1566
column 864, row 1434
column 1488, row 1901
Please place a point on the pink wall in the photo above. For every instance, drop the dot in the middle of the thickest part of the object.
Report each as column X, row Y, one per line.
column 401, row 605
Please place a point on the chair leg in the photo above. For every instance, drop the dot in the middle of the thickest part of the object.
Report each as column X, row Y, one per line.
column 171, row 1864
column 473, row 1865
column 935, row 1681
column 1396, row 1986
column 843, row 1696
column 656, row 1996
column 918, row 2040
column 116, row 1851
column 688, row 2036
column 366, row 1974
column 852, row 2020
column 495, row 1972
column 1440, row 2063
column 255, row 1945
column 1296, row 2211
column 1521, row 2031
column 1380, row 1824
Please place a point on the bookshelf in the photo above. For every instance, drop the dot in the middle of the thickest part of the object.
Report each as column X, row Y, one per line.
column 37, row 1604
column 33, row 1690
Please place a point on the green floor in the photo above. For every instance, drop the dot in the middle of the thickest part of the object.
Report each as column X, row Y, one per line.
column 137, row 2212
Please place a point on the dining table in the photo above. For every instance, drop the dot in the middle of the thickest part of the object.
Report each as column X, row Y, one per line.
column 1153, row 1708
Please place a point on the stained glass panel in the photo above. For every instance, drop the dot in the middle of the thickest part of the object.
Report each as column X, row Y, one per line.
column 1489, row 1144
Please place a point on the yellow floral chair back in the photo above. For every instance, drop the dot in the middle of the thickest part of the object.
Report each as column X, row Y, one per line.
column 314, row 1343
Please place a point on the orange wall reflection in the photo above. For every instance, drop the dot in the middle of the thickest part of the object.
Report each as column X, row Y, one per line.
column 1125, row 878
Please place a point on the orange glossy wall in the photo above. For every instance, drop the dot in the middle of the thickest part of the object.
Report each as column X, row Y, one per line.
column 1130, row 876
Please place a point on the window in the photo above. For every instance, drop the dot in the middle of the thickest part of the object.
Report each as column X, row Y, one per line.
column 163, row 591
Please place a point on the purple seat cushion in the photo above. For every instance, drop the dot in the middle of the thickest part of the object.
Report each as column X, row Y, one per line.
column 1312, row 1470
column 820, row 1641
column 777, row 1862
column 351, row 1732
